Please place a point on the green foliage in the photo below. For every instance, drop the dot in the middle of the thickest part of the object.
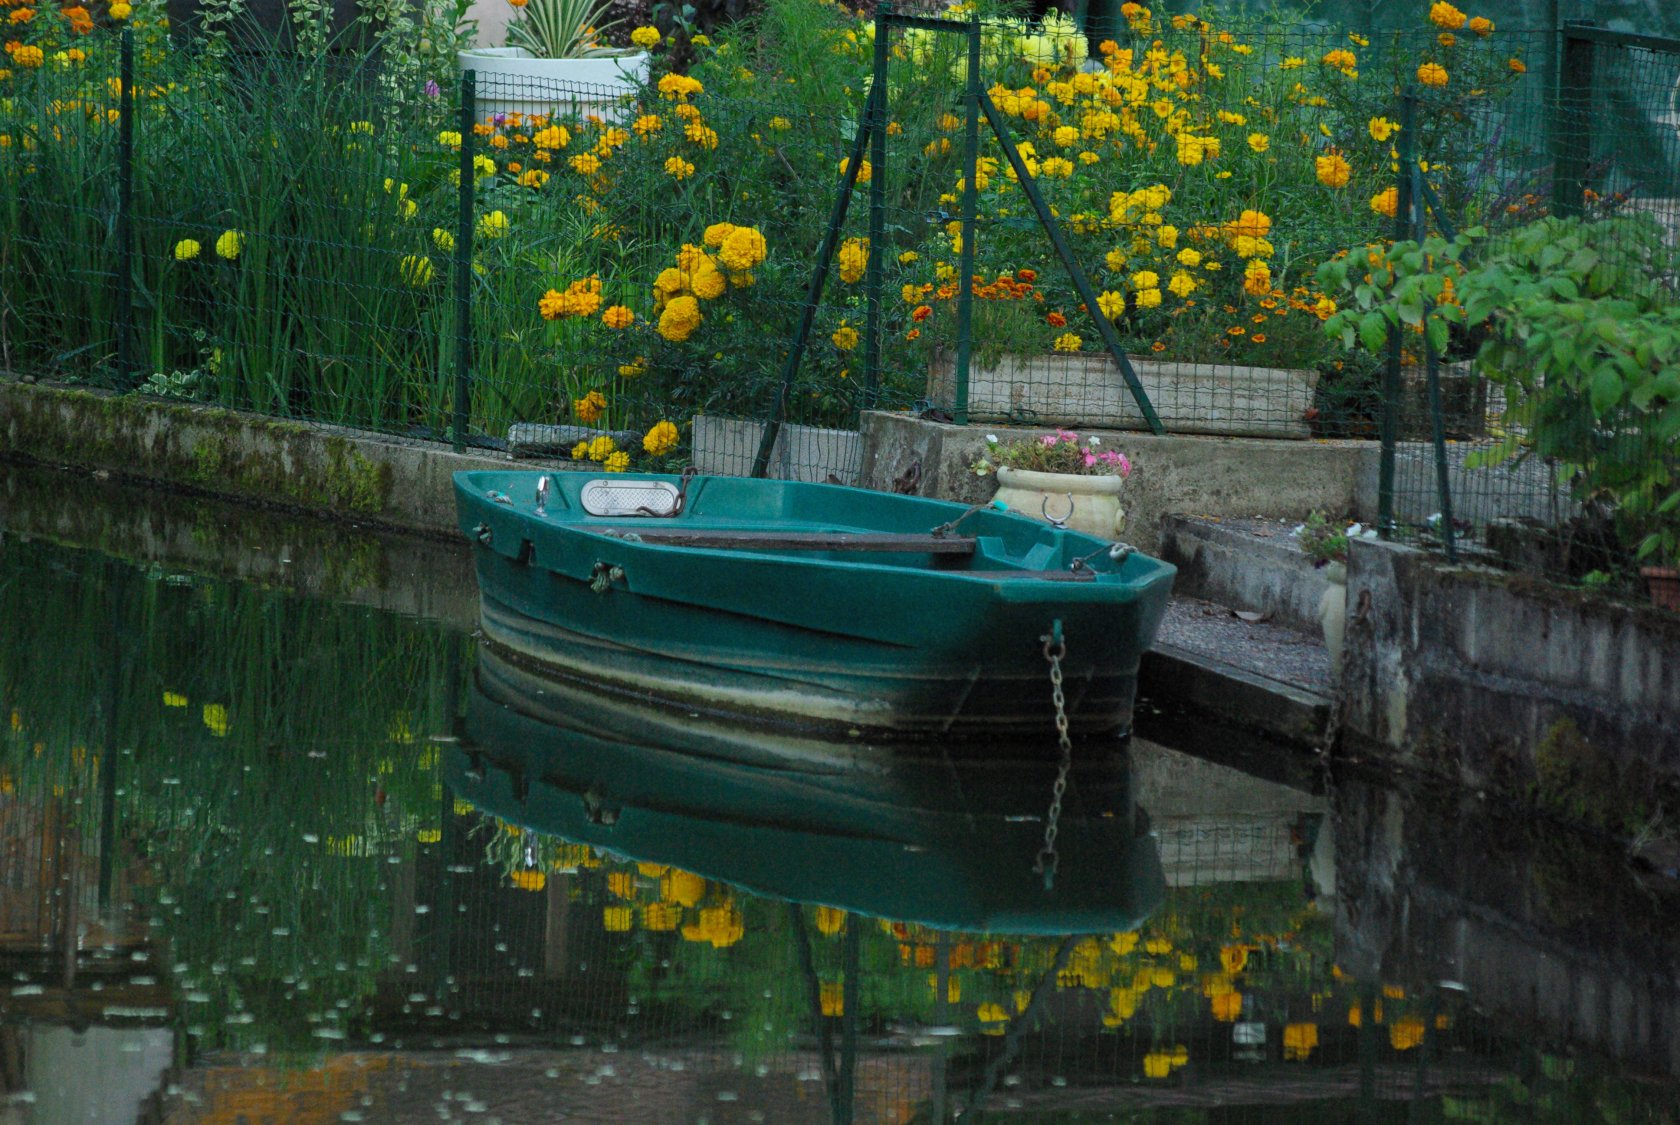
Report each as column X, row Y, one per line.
column 563, row 29
column 1322, row 540
column 1579, row 324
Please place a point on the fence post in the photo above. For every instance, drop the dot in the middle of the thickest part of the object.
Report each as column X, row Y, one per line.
column 125, row 211
column 1574, row 121
column 1389, row 419
column 877, row 217
column 970, row 203
column 1432, row 372
column 463, row 263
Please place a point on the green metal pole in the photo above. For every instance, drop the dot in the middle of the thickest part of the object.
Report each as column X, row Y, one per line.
column 1389, row 419
column 970, row 203
column 463, row 263
column 1574, row 121
column 125, row 213
column 877, row 218
column 819, row 274
column 1081, row 282
column 1432, row 372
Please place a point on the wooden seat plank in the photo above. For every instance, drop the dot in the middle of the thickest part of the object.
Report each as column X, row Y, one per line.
column 740, row 540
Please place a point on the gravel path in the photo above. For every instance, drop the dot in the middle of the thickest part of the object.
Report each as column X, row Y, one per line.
column 1258, row 647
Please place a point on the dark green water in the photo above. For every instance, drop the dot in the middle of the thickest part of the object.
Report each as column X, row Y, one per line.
column 270, row 851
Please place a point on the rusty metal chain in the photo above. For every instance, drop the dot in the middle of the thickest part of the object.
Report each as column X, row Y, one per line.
column 1055, row 648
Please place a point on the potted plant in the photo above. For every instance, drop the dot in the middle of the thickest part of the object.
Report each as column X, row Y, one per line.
column 1325, row 543
column 1059, row 478
column 557, row 61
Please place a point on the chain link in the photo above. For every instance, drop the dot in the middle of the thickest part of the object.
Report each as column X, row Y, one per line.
column 1045, row 865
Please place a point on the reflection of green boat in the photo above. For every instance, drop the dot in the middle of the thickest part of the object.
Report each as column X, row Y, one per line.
column 950, row 845
column 836, row 609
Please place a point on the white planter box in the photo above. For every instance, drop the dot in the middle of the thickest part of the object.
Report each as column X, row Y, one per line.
column 727, row 447
column 1087, row 389
column 512, row 80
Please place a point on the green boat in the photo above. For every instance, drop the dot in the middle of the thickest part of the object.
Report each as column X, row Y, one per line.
column 835, row 611
column 954, row 847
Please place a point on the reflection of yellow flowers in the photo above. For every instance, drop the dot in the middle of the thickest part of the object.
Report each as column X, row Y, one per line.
column 170, row 699
column 428, row 835
column 682, row 887
column 661, row 917
column 1234, row 958
column 720, row 925
column 617, row 919
column 622, row 884
column 1157, row 1064
column 216, row 719
column 1405, row 1033
column 1299, row 1039
column 832, row 998
column 1226, row 1006
column 529, row 879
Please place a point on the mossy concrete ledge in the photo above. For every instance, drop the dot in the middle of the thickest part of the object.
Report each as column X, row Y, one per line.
column 342, row 472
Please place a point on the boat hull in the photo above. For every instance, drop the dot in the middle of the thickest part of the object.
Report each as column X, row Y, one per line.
column 891, row 647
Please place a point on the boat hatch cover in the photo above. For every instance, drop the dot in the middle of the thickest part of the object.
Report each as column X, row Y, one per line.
column 630, row 498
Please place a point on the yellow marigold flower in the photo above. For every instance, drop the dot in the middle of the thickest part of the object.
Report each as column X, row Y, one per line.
column 416, row 269
column 617, row 462
column 678, row 168
column 1111, row 304
column 187, row 249
column 1148, row 298
column 646, row 125
column 1147, row 279
column 1257, row 278
column 1432, row 74
column 588, row 408
column 1447, row 39
column 661, row 439
column 1324, row 308
column 1443, row 14
column 1068, row 342
column 1259, row 142
column 853, row 259
column 533, row 178
column 21, row 15
column 121, row 11
column 554, row 136
column 646, row 37
column 678, row 87
column 229, row 244
column 528, row 879
column 585, row 163
column 701, row 135
column 1481, row 25
column 1292, row 62
column 705, row 281
column 1166, row 236
column 1340, row 59
column 780, row 124
column 580, row 451
column 449, row 138
column 1517, row 66
column 493, row 225
column 1181, row 284
column 618, row 316
column 633, row 368
column 1386, row 201
column 602, row 447
column 742, row 249
column 216, row 719
column 443, row 240
column 716, row 233
column 1189, row 257
column 865, row 172
column 679, row 319
column 845, row 337
column 1333, row 170
column 1256, row 224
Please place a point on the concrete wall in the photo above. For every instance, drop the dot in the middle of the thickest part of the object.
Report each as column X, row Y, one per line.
column 1235, row 567
column 348, row 473
column 1479, row 675
column 1171, row 474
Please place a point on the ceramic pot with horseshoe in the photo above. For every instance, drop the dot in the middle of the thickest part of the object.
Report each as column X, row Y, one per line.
column 1084, row 503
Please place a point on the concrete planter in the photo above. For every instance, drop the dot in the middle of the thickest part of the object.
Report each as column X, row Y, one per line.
column 1087, row 389
column 1085, row 503
column 512, row 80
column 1464, row 403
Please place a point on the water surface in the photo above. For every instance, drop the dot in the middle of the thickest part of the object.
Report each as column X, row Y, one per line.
column 279, row 843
